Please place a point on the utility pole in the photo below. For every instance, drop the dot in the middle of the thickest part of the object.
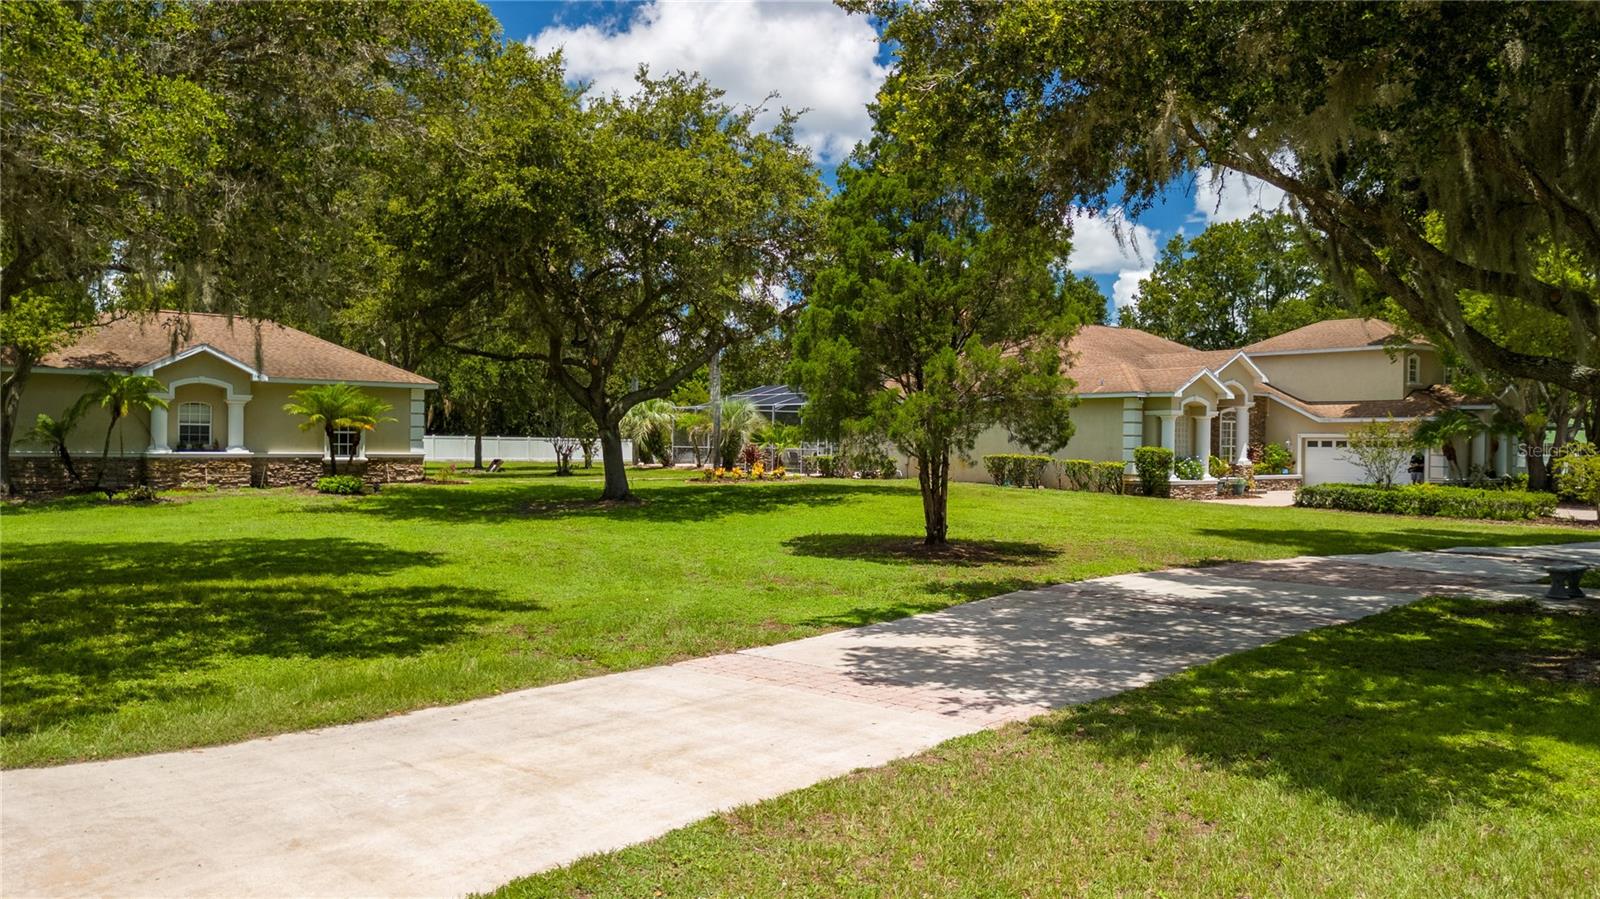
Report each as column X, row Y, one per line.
column 716, row 409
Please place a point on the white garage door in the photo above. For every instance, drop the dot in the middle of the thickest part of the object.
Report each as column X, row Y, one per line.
column 1325, row 463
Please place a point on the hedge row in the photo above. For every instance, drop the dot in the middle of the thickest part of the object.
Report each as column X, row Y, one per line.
column 1094, row 477
column 1016, row 469
column 1428, row 499
column 1023, row 470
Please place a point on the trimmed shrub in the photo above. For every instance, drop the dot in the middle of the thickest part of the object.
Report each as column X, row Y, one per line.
column 341, row 484
column 1428, row 500
column 1016, row 469
column 1220, row 467
column 1275, row 459
column 871, row 461
column 825, row 464
column 1577, row 474
column 1091, row 476
column 1154, row 465
column 1189, row 469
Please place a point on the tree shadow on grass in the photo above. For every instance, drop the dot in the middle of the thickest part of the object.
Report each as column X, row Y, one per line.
column 89, row 627
column 900, row 549
column 1401, row 717
column 659, row 503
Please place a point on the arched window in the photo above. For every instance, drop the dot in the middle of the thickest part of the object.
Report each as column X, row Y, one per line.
column 194, row 426
column 1413, row 369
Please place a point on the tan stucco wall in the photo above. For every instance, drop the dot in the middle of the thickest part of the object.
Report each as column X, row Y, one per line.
column 52, row 394
column 1332, row 377
column 205, row 365
column 1285, row 426
column 1098, row 431
column 1097, row 435
column 267, row 428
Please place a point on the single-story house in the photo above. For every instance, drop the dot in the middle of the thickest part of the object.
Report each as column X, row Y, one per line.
column 226, row 380
column 1304, row 389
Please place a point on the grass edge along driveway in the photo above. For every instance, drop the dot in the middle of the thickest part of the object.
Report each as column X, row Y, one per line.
column 1445, row 748
column 213, row 618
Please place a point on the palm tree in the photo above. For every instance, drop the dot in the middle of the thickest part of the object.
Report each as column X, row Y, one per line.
column 740, row 419
column 778, row 437
column 55, row 431
column 336, row 407
column 1442, row 430
column 650, row 425
column 120, row 394
column 697, row 426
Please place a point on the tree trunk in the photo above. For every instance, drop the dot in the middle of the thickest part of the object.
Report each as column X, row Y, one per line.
column 105, row 451
column 9, row 406
column 66, row 462
column 933, row 476
column 333, row 455
column 715, row 376
column 616, row 465
column 477, row 451
column 1538, row 473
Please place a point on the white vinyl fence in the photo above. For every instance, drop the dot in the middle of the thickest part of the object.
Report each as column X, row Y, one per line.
column 451, row 448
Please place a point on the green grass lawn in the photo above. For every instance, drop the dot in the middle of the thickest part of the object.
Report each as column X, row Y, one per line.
column 210, row 618
column 1449, row 748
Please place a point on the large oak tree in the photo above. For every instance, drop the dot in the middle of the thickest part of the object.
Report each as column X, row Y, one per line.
column 1233, row 284
column 1442, row 148
column 202, row 156
column 617, row 241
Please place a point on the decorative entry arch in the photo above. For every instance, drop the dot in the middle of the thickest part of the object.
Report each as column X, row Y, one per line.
column 234, row 399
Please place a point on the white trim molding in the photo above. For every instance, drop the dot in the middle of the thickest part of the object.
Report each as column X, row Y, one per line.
column 149, row 368
column 1204, row 373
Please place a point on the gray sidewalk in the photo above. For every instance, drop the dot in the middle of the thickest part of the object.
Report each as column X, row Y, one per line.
column 451, row 800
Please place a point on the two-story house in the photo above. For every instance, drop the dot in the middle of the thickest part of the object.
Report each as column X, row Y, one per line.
column 1304, row 390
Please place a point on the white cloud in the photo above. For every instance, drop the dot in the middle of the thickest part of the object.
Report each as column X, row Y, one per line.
column 1223, row 195
column 1098, row 250
column 814, row 56
column 1125, row 292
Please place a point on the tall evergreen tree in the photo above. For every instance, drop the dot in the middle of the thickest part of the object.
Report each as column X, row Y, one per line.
column 934, row 316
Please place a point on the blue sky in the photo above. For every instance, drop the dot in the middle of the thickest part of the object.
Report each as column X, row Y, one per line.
column 815, row 57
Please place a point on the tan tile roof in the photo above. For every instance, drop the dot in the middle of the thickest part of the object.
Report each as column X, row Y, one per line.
column 1104, row 359
column 1419, row 403
column 282, row 352
column 1335, row 334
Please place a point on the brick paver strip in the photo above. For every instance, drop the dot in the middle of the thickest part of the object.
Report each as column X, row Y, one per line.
column 1339, row 573
column 876, row 690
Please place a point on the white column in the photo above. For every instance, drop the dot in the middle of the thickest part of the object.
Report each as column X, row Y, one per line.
column 1480, row 448
column 1502, row 465
column 236, row 425
column 158, row 430
column 1241, row 432
column 1169, row 437
column 1203, row 437
column 419, row 418
column 1132, row 429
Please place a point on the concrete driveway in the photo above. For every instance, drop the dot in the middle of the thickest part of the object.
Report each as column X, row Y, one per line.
column 462, row 798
